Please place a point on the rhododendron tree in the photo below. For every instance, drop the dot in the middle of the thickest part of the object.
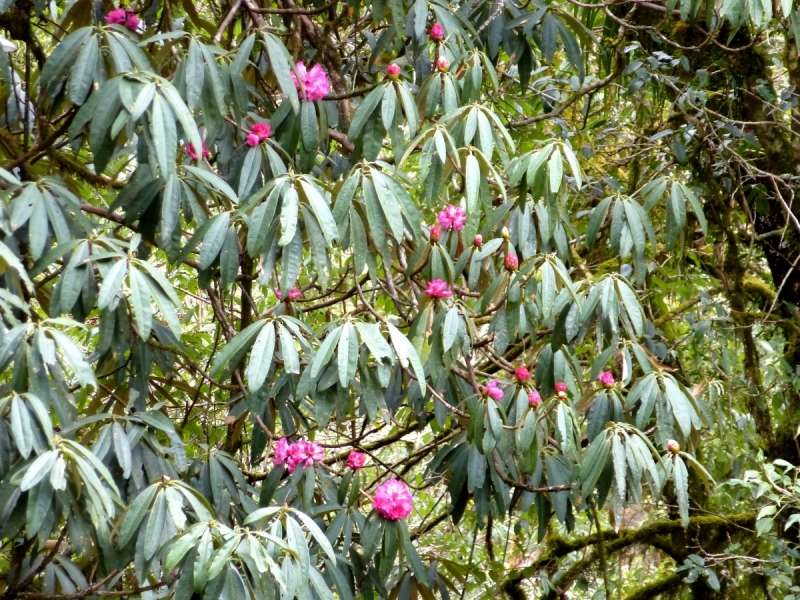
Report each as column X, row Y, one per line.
column 407, row 299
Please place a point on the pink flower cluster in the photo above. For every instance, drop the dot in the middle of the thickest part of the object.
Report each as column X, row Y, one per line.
column 294, row 293
column 452, row 217
column 193, row 153
column 437, row 32
column 438, row 289
column 297, row 453
column 315, row 81
column 392, row 500
column 356, row 460
column 120, row 16
column 522, row 374
column 493, row 390
column 534, row 399
column 258, row 133
column 606, row 379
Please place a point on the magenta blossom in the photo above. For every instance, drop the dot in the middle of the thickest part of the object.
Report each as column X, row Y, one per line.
column 478, row 241
column 436, row 233
column 607, row 379
column 534, row 399
column 442, row 64
column 393, row 71
column 452, row 217
column 120, row 16
column 305, row 454
column 522, row 374
column 393, row 500
column 356, row 460
column 314, row 81
column 193, row 153
column 512, row 262
column 438, row 289
column 281, row 451
column 294, row 293
column 437, row 32
column 258, row 133
column 493, row 390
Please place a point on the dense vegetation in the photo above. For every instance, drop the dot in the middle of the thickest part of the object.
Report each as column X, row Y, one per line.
column 399, row 298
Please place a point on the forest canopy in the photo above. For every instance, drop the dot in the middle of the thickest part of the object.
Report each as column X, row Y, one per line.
column 399, row 299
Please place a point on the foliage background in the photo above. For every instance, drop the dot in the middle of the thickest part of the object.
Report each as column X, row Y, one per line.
column 639, row 157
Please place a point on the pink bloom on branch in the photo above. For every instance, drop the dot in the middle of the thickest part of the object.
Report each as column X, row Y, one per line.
column 294, row 293
column 305, row 454
column 281, row 451
column 132, row 22
column 118, row 16
column 522, row 374
column 534, row 399
column 438, row 289
column 392, row 500
column 193, row 153
column 442, row 64
column 393, row 71
column 436, row 233
column 512, row 262
column 437, row 32
column 315, row 81
column 607, row 379
column 258, row 133
column 452, row 217
column 493, row 390
column 252, row 140
column 356, row 460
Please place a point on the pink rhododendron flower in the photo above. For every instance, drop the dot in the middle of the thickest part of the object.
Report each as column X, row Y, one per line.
column 193, row 153
column 673, row 446
column 452, row 217
column 119, row 16
column 493, row 390
column 294, row 293
column 522, row 374
column 132, row 22
column 393, row 71
column 356, row 460
column 607, row 379
column 534, row 399
column 512, row 262
column 314, row 81
column 442, row 64
column 478, row 241
column 392, row 500
column 258, row 133
column 437, row 32
column 436, row 233
column 305, row 454
column 281, row 451
column 438, row 289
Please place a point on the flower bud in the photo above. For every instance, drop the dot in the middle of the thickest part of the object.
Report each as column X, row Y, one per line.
column 512, row 262
column 437, row 32
column 478, row 241
column 673, row 446
column 534, row 399
column 505, row 233
column 561, row 390
column 522, row 374
column 442, row 64
column 436, row 233
column 393, row 71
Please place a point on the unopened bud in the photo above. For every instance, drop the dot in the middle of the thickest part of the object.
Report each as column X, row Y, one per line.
column 505, row 233
column 673, row 446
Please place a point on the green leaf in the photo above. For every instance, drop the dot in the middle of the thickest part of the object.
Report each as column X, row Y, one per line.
column 681, row 477
column 135, row 515
column 112, row 284
column 261, row 358
column 279, row 62
column 140, row 301
column 251, row 167
column 165, row 137
column 323, row 355
column 363, row 113
column 289, row 211
column 82, row 75
column 214, row 239
column 38, row 470
column 240, row 343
